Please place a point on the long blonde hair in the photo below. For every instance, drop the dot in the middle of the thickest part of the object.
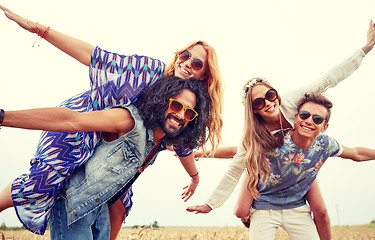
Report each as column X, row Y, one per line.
column 256, row 139
column 215, row 91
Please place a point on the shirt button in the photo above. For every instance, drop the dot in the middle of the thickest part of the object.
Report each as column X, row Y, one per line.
column 97, row 200
column 149, row 143
column 74, row 214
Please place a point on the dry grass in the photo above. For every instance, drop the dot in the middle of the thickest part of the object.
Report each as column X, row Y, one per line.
column 204, row 233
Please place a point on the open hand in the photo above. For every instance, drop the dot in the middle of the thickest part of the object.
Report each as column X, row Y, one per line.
column 189, row 191
column 23, row 22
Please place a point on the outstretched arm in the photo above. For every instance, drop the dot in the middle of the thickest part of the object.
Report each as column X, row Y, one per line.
column 358, row 154
column 75, row 48
column 115, row 120
column 338, row 73
column 221, row 152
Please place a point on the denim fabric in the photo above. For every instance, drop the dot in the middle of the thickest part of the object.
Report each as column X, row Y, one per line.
column 112, row 165
column 95, row 226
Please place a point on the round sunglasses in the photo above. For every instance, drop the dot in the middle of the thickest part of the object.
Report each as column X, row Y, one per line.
column 317, row 119
column 260, row 103
column 196, row 63
column 175, row 106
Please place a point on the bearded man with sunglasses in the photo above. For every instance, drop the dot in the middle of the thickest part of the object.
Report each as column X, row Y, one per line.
column 293, row 168
column 171, row 111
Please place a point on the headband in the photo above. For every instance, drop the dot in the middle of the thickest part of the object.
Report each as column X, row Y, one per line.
column 250, row 84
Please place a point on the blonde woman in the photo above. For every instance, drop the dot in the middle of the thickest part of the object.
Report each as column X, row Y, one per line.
column 60, row 153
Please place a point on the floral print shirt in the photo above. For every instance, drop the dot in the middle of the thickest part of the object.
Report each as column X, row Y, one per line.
column 292, row 171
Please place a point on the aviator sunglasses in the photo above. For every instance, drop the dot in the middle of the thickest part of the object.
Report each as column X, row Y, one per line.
column 196, row 63
column 175, row 106
column 260, row 103
column 303, row 114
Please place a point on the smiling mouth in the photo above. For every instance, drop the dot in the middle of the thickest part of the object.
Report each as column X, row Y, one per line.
column 175, row 121
column 183, row 70
column 307, row 128
column 270, row 109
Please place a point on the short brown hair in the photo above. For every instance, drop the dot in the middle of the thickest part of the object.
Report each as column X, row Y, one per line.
column 318, row 99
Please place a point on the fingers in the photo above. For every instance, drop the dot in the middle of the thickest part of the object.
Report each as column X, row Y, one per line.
column 187, row 196
column 191, row 208
column 4, row 8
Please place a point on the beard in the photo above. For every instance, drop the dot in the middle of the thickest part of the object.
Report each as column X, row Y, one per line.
column 171, row 131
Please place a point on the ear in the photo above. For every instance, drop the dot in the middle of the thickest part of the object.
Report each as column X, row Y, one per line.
column 324, row 128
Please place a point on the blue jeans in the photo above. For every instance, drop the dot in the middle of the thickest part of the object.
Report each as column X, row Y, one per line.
column 94, row 226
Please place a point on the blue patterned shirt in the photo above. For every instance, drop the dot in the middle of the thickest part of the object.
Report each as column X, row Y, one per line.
column 292, row 171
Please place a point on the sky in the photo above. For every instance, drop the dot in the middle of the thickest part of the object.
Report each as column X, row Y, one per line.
column 290, row 42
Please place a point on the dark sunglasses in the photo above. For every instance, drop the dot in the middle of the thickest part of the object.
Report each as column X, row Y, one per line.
column 260, row 103
column 175, row 106
column 196, row 63
column 303, row 114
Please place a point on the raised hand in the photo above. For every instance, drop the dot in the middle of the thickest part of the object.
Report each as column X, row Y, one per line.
column 370, row 38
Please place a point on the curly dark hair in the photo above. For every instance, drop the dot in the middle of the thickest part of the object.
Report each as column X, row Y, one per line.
column 154, row 101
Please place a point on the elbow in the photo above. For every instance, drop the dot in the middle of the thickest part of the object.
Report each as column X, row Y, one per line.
column 241, row 212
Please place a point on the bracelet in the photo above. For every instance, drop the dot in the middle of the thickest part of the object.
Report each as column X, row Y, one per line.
column 45, row 32
column 39, row 35
column 194, row 174
column 2, row 115
column 36, row 28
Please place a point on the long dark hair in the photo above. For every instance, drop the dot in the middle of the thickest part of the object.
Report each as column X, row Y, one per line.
column 154, row 101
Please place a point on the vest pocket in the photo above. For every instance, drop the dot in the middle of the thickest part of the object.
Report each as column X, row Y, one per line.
column 122, row 158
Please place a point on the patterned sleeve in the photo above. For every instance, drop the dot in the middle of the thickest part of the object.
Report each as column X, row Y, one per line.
column 118, row 79
column 181, row 151
column 334, row 147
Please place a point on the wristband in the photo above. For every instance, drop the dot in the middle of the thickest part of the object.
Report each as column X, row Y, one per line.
column 2, row 115
column 194, row 174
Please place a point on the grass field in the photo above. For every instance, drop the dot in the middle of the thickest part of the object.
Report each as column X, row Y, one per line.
column 205, row 233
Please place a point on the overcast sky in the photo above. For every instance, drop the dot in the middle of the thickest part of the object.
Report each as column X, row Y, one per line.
column 291, row 42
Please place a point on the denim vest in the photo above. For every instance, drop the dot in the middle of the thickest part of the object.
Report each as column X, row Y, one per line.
column 112, row 165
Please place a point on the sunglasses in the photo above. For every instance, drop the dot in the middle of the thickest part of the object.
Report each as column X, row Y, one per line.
column 260, row 103
column 303, row 114
column 196, row 63
column 175, row 106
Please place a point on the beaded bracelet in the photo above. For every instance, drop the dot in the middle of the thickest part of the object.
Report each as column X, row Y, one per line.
column 2, row 115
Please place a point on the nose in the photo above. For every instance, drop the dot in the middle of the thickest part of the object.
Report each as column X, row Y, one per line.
column 187, row 63
column 267, row 102
column 181, row 114
column 309, row 120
